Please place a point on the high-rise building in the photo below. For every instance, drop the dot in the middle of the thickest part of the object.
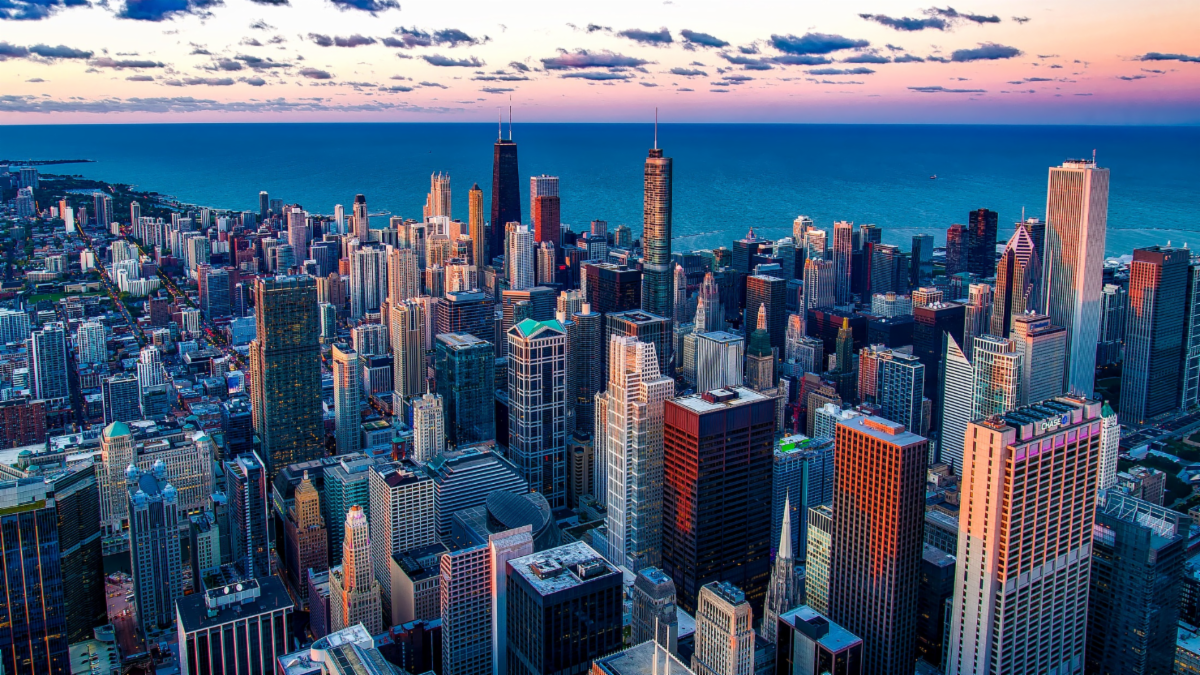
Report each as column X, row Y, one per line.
column 786, row 590
column 506, row 190
column 770, row 292
column 564, row 610
column 346, row 483
column 718, row 360
column 403, row 274
column 468, row 611
column 902, row 389
column 1138, row 553
column 246, row 487
column 403, row 510
column 244, row 624
column 48, row 362
column 1155, row 329
column 811, row 644
column 681, row 311
column 76, row 504
column 429, row 428
column 921, row 270
column 353, row 591
column 656, row 232
column 843, row 250
column 362, row 219
column 934, row 600
column 760, row 358
column 305, row 537
column 1028, row 495
column 1015, row 281
column 719, row 445
column 880, row 474
column 519, row 258
column 724, row 635
column 437, row 202
column 408, row 350
column 819, row 285
column 544, row 209
column 368, row 280
column 999, row 369
column 465, row 373
column 347, row 399
column 802, row 477
column 585, row 335
column 958, row 390
column 1072, row 269
column 122, row 398
column 654, row 616
column 612, row 288
column 1189, row 388
column 981, row 243
column 932, row 323
column 957, row 247
column 1044, row 346
column 285, row 365
column 537, row 416
column 629, row 441
column 154, row 550
column 33, row 636
column 977, row 312
column 818, row 556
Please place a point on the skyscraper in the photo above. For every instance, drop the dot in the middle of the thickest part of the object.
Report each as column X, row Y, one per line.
column 957, row 247
column 1076, row 223
column 811, row 644
column 587, row 359
column 465, row 367
column 519, row 259
column 646, row 327
column 786, row 590
column 718, row 361
column 408, row 350
column 724, row 632
column 306, row 537
column 1043, row 345
column 437, row 202
column 714, row 314
column 957, row 384
column 544, row 209
column 763, row 290
column 353, row 590
column 211, row 623
column 122, row 398
column 264, row 202
column 802, row 477
column 977, row 312
column 429, row 428
column 612, row 288
column 477, row 227
column 403, row 518
column 537, row 364
column 654, row 616
column 1015, row 277
column 362, row 220
column 347, row 399
column 630, row 438
column 285, row 365
column 403, row 274
column 931, row 324
column 76, row 503
column 921, row 270
column 902, row 389
column 656, row 232
column 880, row 474
column 1154, row 332
column 999, row 367
column 819, row 556
column 843, row 250
column 760, row 358
column 247, row 491
column 506, row 190
column 680, row 303
column 1029, row 494
column 368, row 280
column 154, row 547
column 981, row 243
column 717, row 496
column 48, row 362
column 1138, row 555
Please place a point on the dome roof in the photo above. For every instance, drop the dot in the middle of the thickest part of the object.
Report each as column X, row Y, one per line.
column 116, row 429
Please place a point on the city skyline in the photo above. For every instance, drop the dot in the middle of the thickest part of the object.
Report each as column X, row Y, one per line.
column 892, row 62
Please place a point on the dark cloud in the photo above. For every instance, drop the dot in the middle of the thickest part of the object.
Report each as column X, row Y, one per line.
column 200, row 51
column 251, row 42
column 684, row 89
column 1156, row 72
column 866, row 58
column 800, row 60
column 59, row 52
column 315, row 74
column 496, row 90
column 988, row 51
column 1020, row 19
column 1159, row 56
column 407, row 38
column 254, row 81
column 161, row 10
column 184, row 104
column 38, row 79
column 453, row 37
column 942, row 90
column 371, row 6
column 815, row 43
column 106, row 62
column 747, row 62
column 227, row 64
column 261, row 25
column 259, row 63
column 504, row 77
column 906, row 23
column 840, row 71
column 582, row 58
column 748, row 49
column 660, row 37
column 648, row 84
column 592, row 28
column 688, row 72
column 140, row 78
column 908, row 58
column 702, row 39
column 598, row 76
column 518, row 66
column 446, row 61
column 34, row 10
column 396, row 88
column 209, row 81
column 438, row 85
column 1130, row 78
column 355, row 40
column 952, row 14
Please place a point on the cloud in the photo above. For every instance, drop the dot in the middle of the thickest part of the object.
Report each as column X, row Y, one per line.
column 598, row 76
column 251, row 42
column 453, row 37
column 197, row 50
column 840, row 71
column 748, row 62
column 496, row 90
column 415, row 37
column 582, row 58
column 866, row 58
column 952, row 14
column 1130, row 78
column 254, row 81
column 518, row 66
column 315, row 74
column 396, row 88
column 660, row 37
column 106, row 62
column 140, row 78
column 226, row 64
column 272, row 3
column 592, row 28
column 688, row 72
column 34, row 10
column 1159, row 56
column 702, row 39
column 908, row 58
column 185, row 104
column 446, row 61
column 161, row 10
column 503, row 77
column 355, row 40
column 59, row 52
column 371, row 6
column 987, row 51
column 684, row 89
column 261, row 25
column 800, row 60
column 259, row 63
column 942, row 90
column 905, row 23
column 815, row 43
column 38, row 79
column 438, row 85
column 1020, row 19
column 209, row 81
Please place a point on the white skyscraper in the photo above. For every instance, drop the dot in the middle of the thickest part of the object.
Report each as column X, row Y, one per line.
column 91, row 337
column 403, row 517
column 633, row 444
column 48, row 362
column 408, row 350
column 1044, row 346
column 403, row 274
column 1024, row 542
column 347, row 399
column 843, row 250
column 150, row 368
column 339, row 219
column 958, row 388
column 354, row 593
column 368, row 280
column 1076, row 223
column 680, row 305
column 998, row 366
column 297, row 232
column 977, row 319
column 437, row 202
column 429, row 428
column 520, row 261
column 1110, row 447
column 724, row 637
column 714, row 314
column 820, row 285
column 719, row 361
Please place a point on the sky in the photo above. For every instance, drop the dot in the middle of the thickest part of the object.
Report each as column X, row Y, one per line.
column 856, row 61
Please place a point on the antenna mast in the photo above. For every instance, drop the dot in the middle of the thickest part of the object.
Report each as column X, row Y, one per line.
column 510, row 117
column 499, row 125
column 656, row 128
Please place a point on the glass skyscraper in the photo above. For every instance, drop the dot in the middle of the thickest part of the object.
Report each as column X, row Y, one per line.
column 656, row 233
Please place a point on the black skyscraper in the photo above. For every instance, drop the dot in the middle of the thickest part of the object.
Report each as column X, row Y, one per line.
column 981, row 243
column 506, row 190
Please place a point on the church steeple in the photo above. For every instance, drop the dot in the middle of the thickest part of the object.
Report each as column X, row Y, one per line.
column 785, row 532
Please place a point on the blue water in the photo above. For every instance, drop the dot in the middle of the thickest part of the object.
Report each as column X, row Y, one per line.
column 727, row 177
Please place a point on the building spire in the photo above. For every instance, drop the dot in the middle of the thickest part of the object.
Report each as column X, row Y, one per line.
column 499, row 125
column 762, row 316
column 785, row 531
column 656, row 128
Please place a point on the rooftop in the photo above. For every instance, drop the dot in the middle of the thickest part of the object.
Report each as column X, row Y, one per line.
column 882, row 429
column 562, row 568
column 730, row 397
column 937, row 556
column 194, row 613
column 828, row 634
column 640, row 660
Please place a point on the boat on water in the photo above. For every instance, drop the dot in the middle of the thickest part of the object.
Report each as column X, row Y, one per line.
column 933, row 177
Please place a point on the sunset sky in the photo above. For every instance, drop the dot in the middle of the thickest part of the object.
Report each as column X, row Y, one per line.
column 1065, row 61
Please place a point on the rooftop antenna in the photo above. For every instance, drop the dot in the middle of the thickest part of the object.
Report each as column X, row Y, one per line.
column 1022, row 214
column 1093, row 156
column 510, row 117
column 499, row 125
column 655, row 128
